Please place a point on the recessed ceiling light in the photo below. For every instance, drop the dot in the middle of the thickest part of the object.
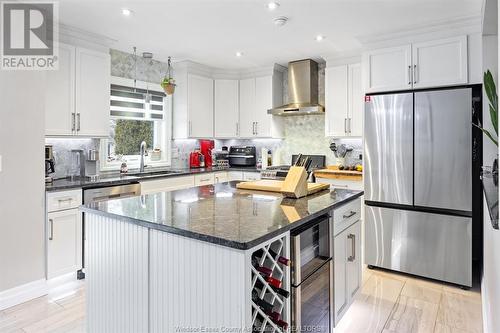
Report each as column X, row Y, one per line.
column 280, row 21
column 126, row 12
column 239, row 54
column 272, row 5
column 319, row 38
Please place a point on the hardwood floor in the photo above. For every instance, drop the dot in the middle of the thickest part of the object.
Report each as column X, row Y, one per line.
column 388, row 302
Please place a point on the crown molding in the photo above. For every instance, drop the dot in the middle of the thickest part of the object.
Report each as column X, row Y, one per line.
column 77, row 36
column 427, row 30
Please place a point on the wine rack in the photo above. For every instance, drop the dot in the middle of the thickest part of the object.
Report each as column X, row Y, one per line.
column 266, row 295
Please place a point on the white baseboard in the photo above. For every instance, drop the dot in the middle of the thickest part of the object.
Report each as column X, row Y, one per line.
column 23, row 293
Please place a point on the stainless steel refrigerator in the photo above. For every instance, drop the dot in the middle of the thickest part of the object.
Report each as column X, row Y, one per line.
column 421, row 156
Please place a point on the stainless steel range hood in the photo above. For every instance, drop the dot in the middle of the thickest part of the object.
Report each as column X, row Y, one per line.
column 302, row 90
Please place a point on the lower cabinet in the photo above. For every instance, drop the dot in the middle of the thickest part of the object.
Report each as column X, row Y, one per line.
column 347, row 268
column 204, row 179
column 342, row 183
column 64, row 248
column 221, row 177
column 166, row 184
column 250, row 176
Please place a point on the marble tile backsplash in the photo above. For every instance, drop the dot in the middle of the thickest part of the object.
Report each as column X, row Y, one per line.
column 65, row 163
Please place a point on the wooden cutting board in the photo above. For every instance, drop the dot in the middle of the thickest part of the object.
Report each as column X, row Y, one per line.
column 269, row 185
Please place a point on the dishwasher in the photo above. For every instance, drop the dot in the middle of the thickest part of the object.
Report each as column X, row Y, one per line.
column 103, row 194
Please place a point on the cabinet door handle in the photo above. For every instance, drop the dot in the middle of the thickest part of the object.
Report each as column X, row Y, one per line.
column 409, row 75
column 351, row 213
column 350, row 130
column 414, row 73
column 190, row 130
column 78, row 122
column 51, row 225
column 253, row 128
column 352, row 237
column 256, row 128
column 236, row 128
column 73, row 122
column 345, row 125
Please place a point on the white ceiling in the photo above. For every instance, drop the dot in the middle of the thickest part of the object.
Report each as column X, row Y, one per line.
column 211, row 31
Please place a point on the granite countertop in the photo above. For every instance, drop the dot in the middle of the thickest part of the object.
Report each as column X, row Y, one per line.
column 222, row 214
column 490, row 187
column 119, row 179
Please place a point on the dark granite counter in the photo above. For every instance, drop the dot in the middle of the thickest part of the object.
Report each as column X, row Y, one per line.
column 222, row 214
column 132, row 177
column 490, row 187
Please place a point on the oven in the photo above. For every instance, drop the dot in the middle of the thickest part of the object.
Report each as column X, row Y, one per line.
column 312, row 276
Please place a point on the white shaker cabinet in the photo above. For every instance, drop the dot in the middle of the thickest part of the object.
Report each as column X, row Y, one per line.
column 388, row 69
column 257, row 96
column 193, row 107
column 226, row 108
column 200, row 106
column 92, row 93
column 64, row 242
column 347, row 256
column 77, row 95
column 344, row 101
column 60, row 94
column 64, row 232
column 247, row 108
column 440, row 62
column 428, row 64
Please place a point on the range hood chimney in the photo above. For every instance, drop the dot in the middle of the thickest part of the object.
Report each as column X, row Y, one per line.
column 302, row 90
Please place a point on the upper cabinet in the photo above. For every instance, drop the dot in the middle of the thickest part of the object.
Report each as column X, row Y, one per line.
column 226, row 108
column 439, row 63
column 388, row 69
column 77, row 94
column 257, row 96
column 343, row 101
column 92, row 93
column 419, row 65
column 193, row 107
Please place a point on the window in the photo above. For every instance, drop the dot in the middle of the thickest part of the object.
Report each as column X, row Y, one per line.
column 137, row 114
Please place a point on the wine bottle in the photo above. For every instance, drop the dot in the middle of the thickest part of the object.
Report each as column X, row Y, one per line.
column 279, row 291
column 264, row 270
column 281, row 323
column 264, row 305
column 282, row 260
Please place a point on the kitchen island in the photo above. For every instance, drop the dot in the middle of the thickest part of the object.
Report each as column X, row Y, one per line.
column 184, row 261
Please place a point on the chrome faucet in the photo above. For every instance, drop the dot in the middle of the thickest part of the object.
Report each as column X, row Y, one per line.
column 143, row 151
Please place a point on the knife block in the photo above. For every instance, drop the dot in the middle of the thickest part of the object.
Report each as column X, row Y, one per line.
column 295, row 183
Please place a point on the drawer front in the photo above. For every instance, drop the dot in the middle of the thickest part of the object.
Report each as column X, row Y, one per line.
column 251, row 176
column 221, row 177
column 166, row 184
column 204, row 179
column 346, row 215
column 342, row 183
column 235, row 175
column 63, row 200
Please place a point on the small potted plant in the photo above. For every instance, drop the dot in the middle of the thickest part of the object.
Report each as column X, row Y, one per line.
column 168, row 84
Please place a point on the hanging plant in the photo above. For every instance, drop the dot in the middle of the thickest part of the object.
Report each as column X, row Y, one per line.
column 168, row 83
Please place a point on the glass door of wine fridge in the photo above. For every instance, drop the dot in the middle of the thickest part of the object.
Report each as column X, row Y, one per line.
column 312, row 277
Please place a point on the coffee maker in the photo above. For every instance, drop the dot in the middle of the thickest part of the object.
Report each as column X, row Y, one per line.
column 49, row 163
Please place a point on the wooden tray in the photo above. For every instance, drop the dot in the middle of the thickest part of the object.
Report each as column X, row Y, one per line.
column 269, row 185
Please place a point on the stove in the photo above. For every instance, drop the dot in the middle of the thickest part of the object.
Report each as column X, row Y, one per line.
column 279, row 172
